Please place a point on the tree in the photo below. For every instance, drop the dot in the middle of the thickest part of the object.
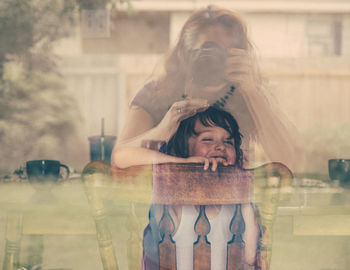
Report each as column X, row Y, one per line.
column 29, row 28
column 37, row 112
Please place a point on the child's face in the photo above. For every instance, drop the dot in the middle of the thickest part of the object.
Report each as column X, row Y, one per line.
column 212, row 142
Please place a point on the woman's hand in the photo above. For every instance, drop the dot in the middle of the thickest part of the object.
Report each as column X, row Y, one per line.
column 240, row 69
column 214, row 162
column 179, row 111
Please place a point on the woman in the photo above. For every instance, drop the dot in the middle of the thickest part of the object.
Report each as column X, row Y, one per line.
column 212, row 63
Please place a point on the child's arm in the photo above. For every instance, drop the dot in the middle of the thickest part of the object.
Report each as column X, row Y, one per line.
column 130, row 156
column 250, row 236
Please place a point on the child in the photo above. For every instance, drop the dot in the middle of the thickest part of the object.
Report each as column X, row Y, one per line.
column 211, row 137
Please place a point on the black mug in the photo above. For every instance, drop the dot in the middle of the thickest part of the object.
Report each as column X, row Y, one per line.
column 339, row 169
column 44, row 171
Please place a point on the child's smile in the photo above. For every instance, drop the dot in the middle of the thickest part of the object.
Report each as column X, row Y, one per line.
column 212, row 142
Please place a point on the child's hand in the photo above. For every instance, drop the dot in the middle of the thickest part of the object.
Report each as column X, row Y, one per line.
column 207, row 162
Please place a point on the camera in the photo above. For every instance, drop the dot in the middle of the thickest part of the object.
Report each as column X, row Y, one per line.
column 207, row 64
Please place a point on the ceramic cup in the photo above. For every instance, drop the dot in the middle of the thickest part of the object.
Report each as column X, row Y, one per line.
column 42, row 171
column 339, row 169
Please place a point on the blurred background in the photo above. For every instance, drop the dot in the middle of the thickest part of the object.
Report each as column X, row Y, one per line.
column 65, row 64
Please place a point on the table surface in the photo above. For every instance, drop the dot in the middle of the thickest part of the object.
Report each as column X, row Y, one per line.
column 316, row 209
column 320, row 206
column 64, row 211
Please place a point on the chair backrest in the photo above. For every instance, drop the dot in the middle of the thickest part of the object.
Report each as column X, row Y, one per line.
column 185, row 184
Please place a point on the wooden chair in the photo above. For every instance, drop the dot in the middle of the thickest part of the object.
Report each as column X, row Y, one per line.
column 178, row 184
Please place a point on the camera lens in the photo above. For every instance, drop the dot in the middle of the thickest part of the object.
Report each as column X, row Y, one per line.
column 207, row 64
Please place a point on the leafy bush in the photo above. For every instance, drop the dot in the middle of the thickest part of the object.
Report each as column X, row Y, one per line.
column 38, row 116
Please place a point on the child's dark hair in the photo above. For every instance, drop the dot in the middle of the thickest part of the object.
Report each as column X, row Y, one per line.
column 213, row 116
